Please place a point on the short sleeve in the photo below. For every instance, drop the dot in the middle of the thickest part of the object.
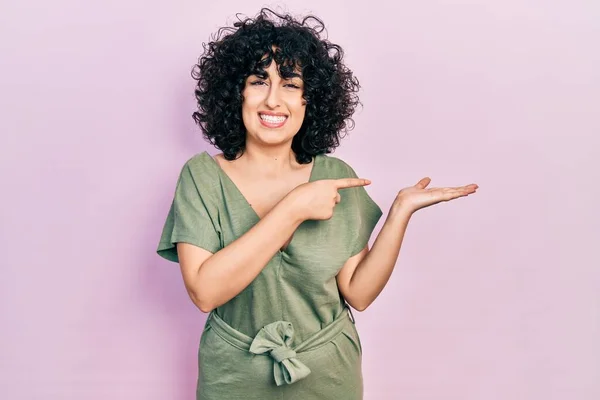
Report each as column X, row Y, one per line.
column 192, row 217
column 366, row 214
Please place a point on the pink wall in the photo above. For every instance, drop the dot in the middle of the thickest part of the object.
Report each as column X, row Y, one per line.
column 495, row 296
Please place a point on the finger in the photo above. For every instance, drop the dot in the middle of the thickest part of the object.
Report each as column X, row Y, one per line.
column 350, row 182
column 468, row 187
column 338, row 198
column 452, row 194
column 462, row 189
column 422, row 184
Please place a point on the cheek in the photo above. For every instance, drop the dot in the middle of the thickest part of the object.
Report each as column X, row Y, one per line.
column 252, row 97
column 250, row 100
column 297, row 104
column 301, row 108
column 248, row 108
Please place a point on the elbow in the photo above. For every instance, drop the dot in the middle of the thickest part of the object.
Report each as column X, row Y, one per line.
column 204, row 308
column 360, row 307
column 203, row 304
column 355, row 303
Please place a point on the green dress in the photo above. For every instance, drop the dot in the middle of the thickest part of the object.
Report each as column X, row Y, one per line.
column 287, row 335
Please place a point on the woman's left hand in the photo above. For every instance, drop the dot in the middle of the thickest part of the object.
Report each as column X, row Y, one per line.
column 415, row 197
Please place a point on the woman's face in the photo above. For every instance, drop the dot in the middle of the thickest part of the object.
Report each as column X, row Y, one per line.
column 272, row 108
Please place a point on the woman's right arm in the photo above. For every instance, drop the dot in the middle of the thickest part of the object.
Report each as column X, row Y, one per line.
column 213, row 279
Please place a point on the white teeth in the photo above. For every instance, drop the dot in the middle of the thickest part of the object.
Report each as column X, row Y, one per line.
column 272, row 119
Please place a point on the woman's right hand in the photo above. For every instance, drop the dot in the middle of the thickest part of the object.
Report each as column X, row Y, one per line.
column 316, row 200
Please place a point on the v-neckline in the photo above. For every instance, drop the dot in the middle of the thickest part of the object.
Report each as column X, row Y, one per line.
column 249, row 206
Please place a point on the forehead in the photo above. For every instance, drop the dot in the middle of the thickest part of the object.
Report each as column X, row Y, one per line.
column 274, row 68
column 277, row 63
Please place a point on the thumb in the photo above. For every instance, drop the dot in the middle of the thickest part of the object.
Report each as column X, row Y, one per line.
column 422, row 184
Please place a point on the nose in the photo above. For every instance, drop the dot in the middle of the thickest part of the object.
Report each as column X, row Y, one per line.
column 272, row 100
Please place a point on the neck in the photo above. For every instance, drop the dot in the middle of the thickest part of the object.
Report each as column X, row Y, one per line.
column 269, row 162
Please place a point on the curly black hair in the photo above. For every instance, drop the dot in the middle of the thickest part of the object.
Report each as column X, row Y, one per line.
column 247, row 49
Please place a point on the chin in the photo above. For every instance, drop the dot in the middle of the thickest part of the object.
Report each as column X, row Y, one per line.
column 274, row 137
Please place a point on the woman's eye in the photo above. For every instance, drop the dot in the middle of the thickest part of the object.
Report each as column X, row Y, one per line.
column 260, row 83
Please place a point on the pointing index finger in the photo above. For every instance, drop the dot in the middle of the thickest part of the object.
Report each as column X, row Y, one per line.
column 351, row 182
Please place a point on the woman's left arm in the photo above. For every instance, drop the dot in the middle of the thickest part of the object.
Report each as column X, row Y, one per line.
column 364, row 275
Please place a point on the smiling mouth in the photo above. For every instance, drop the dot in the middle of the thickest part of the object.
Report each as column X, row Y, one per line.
column 272, row 121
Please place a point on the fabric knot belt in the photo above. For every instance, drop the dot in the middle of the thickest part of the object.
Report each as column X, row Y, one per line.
column 275, row 340
column 279, row 354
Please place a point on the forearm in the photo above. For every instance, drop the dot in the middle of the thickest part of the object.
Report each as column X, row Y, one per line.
column 230, row 270
column 374, row 270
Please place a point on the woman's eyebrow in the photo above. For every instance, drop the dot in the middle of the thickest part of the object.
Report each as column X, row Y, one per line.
column 267, row 75
column 292, row 76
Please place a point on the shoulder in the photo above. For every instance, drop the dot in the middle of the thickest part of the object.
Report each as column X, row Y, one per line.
column 199, row 162
column 337, row 167
column 201, row 170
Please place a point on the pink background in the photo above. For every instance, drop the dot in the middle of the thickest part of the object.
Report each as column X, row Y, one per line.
column 495, row 296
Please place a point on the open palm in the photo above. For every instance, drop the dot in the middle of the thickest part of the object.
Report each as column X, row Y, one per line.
column 419, row 196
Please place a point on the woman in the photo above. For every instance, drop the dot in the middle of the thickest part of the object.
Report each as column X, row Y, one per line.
column 272, row 234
